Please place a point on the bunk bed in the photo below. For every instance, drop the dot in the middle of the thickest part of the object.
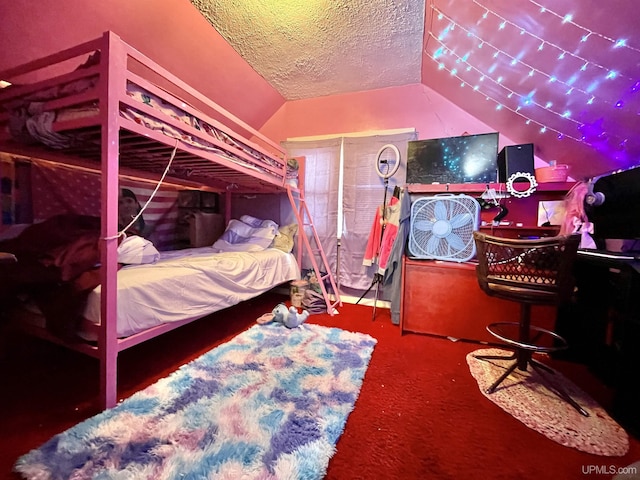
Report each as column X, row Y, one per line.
column 106, row 105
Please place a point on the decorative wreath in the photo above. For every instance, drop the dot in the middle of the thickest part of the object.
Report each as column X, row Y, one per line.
column 521, row 193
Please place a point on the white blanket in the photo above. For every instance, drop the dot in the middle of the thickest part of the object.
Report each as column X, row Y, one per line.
column 189, row 284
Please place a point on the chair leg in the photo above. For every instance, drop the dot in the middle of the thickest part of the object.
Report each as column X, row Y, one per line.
column 535, row 363
column 561, row 392
column 506, row 373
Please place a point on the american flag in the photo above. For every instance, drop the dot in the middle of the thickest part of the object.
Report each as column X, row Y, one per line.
column 58, row 189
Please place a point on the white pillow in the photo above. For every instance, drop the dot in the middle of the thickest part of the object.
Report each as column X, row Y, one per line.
column 257, row 222
column 135, row 250
column 240, row 237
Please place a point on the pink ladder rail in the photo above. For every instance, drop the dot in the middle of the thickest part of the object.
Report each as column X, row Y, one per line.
column 315, row 251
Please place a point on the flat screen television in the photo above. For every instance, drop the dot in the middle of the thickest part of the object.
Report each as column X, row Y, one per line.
column 464, row 159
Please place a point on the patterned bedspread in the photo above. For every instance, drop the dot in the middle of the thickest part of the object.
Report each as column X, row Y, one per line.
column 30, row 123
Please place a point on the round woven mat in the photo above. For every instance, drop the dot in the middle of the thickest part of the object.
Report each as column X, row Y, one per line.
column 529, row 398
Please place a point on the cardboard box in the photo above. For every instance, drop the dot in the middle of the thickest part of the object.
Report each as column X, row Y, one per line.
column 205, row 228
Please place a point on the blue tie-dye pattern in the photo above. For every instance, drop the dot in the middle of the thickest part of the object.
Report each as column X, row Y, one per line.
column 272, row 421
column 211, row 359
column 242, row 452
column 208, row 438
column 62, row 463
column 198, row 389
column 141, row 406
column 297, row 431
column 197, row 416
column 140, row 453
column 271, row 343
column 239, row 451
column 273, row 381
column 346, row 360
column 333, row 426
column 179, row 383
column 252, row 366
column 293, row 383
column 334, row 336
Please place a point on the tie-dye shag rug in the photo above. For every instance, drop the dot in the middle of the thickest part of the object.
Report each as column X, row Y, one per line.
column 269, row 404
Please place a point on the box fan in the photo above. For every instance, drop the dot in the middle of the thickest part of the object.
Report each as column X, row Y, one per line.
column 441, row 227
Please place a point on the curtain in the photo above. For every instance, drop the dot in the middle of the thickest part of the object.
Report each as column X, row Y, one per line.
column 364, row 192
column 322, row 167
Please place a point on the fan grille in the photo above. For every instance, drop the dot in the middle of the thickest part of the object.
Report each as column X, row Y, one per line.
column 442, row 227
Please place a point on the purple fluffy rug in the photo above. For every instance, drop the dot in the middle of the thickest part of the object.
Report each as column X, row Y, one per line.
column 269, row 404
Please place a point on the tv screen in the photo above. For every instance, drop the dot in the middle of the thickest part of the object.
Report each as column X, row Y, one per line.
column 464, row 159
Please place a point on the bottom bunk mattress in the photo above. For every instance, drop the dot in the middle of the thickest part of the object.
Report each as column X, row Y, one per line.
column 189, row 284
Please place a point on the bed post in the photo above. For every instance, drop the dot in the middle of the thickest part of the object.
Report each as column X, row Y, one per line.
column 227, row 207
column 112, row 78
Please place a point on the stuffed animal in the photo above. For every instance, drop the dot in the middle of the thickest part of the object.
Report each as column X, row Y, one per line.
column 290, row 318
column 280, row 313
column 295, row 319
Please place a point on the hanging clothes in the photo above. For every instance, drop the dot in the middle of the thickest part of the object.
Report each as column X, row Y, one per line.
column 382, row 235
column 393, row 273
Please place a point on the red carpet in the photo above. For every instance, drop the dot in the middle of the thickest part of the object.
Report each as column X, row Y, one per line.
column 420, row 414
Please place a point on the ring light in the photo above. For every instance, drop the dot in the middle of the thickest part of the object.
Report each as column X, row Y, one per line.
column 387, row 161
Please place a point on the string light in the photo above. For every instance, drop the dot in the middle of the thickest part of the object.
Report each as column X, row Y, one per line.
column 526, row 100
column 532, row 69
column 569, row 19
column 591, row 134
column 544, row 42
column 621, row 145
column 517, row 111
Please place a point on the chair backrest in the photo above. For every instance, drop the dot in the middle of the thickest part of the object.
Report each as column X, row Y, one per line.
column 526, row 270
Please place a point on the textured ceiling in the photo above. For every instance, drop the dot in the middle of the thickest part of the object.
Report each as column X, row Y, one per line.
column 313, row 48
column 562, row 74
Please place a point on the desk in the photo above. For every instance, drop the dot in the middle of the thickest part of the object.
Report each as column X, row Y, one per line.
column 443, row 298
column 602, row 328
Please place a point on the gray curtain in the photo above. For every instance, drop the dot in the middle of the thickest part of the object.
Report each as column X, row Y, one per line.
column 364, row 192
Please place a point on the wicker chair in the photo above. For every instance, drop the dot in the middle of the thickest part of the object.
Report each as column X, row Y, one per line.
column 530, row 272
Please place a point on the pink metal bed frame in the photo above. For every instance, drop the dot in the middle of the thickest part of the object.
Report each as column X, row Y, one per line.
column 125, row 145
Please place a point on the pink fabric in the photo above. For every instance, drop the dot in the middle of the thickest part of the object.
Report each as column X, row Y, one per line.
column 388, row 237
column 373, row 243
column 381, row 239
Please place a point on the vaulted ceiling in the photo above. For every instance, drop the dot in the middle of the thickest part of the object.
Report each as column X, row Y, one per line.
column 562, row 74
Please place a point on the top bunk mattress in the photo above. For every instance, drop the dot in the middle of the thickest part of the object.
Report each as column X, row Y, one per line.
column 157, row 113
column 189, row 284
column 32, row 122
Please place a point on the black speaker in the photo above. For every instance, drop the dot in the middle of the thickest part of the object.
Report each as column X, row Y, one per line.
column 515, row 159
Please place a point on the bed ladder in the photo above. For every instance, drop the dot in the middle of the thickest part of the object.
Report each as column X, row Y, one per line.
column 314, row 251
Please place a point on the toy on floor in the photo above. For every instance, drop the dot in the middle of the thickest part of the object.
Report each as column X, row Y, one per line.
column 290, row 317
column 295, row 319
